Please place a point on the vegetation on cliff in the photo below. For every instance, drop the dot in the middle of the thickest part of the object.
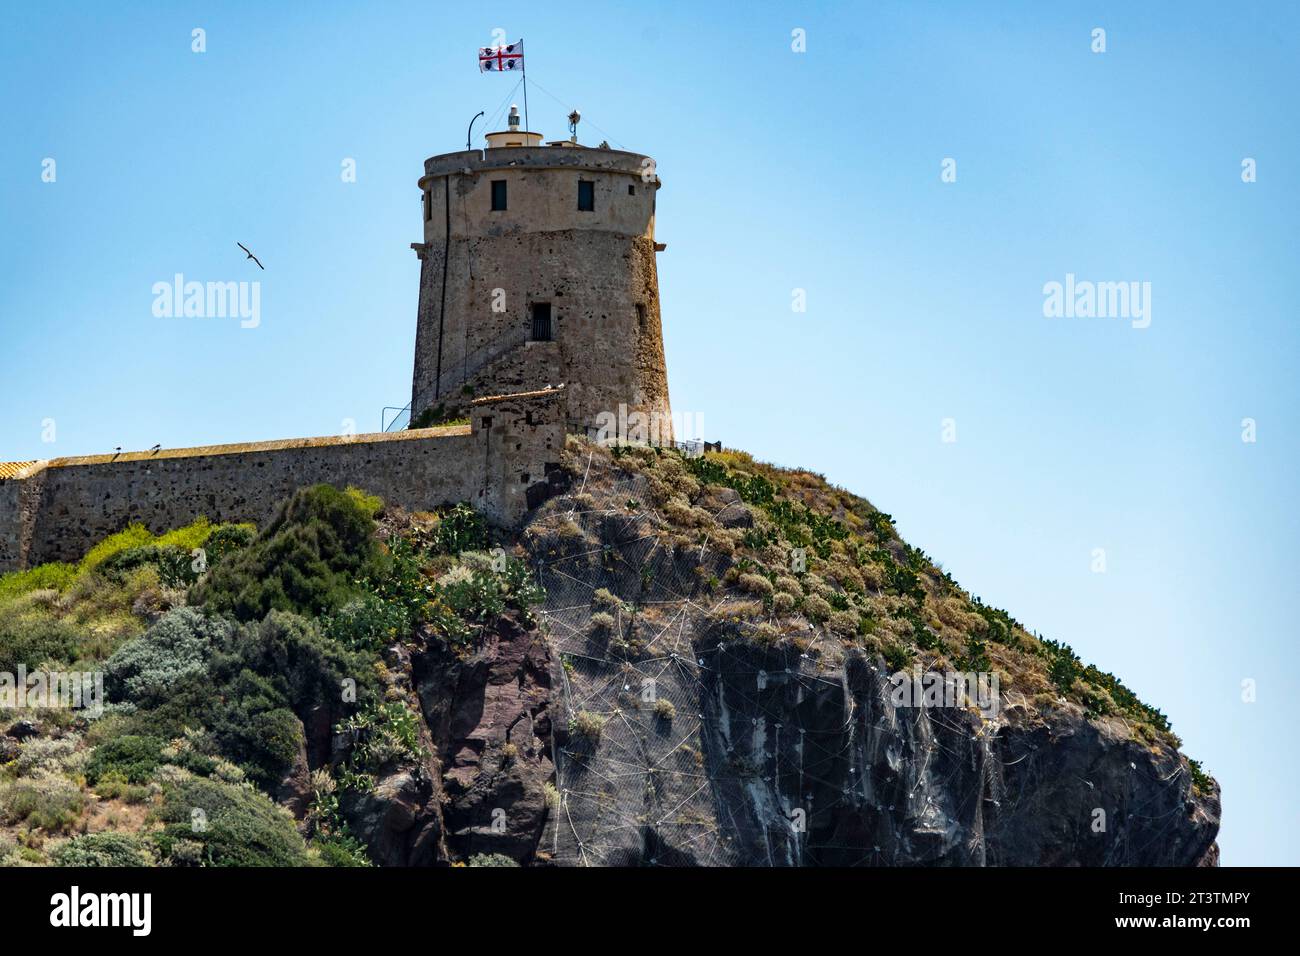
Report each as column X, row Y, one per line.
column 808, row 552
column 220, row 649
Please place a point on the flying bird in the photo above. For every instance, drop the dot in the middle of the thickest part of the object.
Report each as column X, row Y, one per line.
column 156, row 448
column 251, row 256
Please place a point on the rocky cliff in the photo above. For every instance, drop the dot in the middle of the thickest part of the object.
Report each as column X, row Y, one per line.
column 709, row 683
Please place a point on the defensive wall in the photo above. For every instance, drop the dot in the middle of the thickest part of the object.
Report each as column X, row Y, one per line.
column 500, row 463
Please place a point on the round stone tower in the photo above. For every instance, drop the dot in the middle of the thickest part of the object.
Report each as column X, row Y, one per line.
column 537, row 269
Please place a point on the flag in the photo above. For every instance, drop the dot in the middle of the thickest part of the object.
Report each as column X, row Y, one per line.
column 501, row 59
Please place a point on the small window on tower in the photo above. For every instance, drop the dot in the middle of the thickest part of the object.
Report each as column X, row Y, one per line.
column 586, row 196
column 640, row 315
column 498, row 195
column 428, row 205
column 541, row 321
column 631, row 190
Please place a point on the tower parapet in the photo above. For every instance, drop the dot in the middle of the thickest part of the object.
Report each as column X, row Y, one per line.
column 538, row 268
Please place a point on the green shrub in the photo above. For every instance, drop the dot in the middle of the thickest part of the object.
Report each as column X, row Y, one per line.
column 46, row 755
column 341, row 852
column 479, row 595
column 47, row 801
column 228, row 539
column 232, row 825
column 133, row 536
column 381, row 735
column 301, row 667
column 898, row 657
column 132, row 758
column 474, row 595
column 144, row 670
column 491, row 859
column 368, row 623
column 33, row 636
column 55, row 576
column 461, row 529
column 521, row 586
column 188, row 538
column 372, row 505
column 175, row 565
column 253, row 728
column 307, row 560
column 101, row 849
column 114, row 786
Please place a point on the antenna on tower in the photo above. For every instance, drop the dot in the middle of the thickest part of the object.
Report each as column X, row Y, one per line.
column 574, row 118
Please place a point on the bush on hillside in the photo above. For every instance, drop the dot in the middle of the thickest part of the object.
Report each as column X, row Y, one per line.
column 132, row 758
column 32, row 636
column 211, row 823
column 101, row 849
column 177, row 646
column 307, row 560
column 54, row 576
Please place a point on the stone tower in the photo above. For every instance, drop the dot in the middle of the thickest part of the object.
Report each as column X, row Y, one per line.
column 538, row 268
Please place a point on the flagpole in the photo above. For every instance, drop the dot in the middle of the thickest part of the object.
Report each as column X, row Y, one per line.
column 523, row 60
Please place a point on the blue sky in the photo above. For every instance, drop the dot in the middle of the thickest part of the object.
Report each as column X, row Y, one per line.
column 782, row 170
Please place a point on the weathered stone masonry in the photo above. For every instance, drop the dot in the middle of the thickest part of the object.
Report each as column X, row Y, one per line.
column 485, row 269
column 56, row 510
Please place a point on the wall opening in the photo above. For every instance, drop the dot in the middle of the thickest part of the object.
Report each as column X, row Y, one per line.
column 586, row 196
column 498, row 195
column 541, row 321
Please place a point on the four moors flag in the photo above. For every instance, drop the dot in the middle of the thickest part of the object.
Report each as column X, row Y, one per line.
column 501, row 59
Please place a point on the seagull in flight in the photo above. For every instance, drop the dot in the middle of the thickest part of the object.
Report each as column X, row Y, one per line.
column 251, row 256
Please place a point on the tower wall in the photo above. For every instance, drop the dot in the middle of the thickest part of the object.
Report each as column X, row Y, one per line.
column 483, row 270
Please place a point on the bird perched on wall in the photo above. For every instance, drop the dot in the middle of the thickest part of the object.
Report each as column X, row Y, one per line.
column 251, row 256
column 156, row 448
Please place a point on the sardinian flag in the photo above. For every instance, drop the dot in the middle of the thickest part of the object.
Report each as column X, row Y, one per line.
column 501, row 59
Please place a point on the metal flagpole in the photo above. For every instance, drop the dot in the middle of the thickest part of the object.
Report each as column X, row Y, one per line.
column 523, row 60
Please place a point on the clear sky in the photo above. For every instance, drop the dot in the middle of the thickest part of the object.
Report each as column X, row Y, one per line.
column 782, row 170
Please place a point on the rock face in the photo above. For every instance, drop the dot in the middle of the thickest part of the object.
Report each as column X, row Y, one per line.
column 771, row 760
column 489, row 715
column 487, row 732
column 673, row 737
column 880, row 785
column 717, row 749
